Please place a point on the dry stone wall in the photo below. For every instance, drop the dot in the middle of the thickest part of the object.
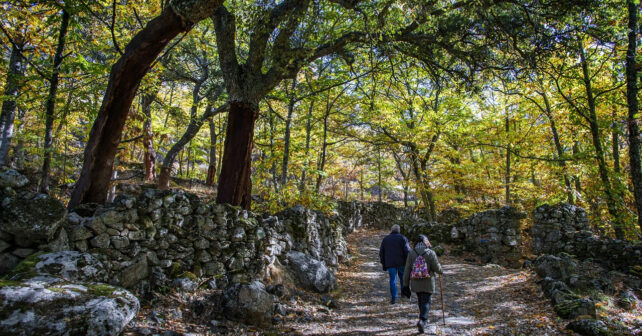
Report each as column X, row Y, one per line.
column 374, row 215
column 495, row 235
column 565, row 228
column 147, row 240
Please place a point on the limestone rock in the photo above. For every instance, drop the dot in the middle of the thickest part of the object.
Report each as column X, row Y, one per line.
column 31, row 308
column 574, row 307
column 69, row 265
column 11, row 178
column 33, row 219
column 7, row 262
column 131, row 275
column 589, row 327
column 185, row 284
column 249, row 303
column 556, row 267
column 311, row 273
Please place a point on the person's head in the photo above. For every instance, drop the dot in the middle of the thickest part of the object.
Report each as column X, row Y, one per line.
column 422, row 239
column 396, row 228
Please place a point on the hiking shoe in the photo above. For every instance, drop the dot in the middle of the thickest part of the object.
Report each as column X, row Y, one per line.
column 420, row 326
column 393, row 301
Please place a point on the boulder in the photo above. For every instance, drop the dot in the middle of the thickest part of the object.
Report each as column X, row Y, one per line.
column 556, row 267
column 311, row 273
column 575, row 306
column 249, row 303
column 33, row 219
column 589, row 327
column 13, row 179
column 185, row 284
column 131, row 275
column 7, row 262
column 60, row 308
column 69, row 265
column 627, row 300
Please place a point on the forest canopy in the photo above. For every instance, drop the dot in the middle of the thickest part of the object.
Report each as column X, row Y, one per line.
column 266, row 104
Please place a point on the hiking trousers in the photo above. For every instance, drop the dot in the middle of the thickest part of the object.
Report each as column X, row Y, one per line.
column 393, row 272
column 423, row 299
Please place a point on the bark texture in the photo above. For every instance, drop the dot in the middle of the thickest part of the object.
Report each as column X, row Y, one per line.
column 125, row 76
column 124, row 79
column 632, row 100
column 236, row 187
column 15, row 79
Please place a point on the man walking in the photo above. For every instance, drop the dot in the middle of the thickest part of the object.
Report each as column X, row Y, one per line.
column 392, row 255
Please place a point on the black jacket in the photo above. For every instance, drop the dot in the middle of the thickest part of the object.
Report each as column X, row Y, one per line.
column 394, row 250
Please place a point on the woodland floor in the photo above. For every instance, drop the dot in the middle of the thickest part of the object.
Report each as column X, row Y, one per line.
column 479, row 300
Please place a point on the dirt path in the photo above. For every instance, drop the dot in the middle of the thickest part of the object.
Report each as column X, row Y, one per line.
column 480, row 300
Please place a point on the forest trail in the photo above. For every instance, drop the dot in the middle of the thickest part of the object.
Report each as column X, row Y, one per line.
column 479, row 300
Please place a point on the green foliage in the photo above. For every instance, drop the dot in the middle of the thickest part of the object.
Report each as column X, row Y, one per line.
column 459, row 113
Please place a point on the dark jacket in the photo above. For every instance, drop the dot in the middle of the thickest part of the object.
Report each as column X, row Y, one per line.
column 422, row 285
column 394, row 250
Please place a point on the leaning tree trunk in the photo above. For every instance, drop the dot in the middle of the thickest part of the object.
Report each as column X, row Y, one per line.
column 148, row 138
column 235, row 185
column 632, row 100
column 51, row 103
column 192, row 130
column 14, row 83
column 124, row 79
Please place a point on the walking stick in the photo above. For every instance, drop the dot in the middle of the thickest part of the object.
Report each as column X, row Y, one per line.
column 441, row 293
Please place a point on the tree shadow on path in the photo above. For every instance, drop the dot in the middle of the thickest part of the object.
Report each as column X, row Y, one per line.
column 479, row 300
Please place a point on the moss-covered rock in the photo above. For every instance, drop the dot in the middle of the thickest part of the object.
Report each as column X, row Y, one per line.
column 33, row 219
column 70, row 265
column 589, row 327
column 61, row 308
column 574, row 307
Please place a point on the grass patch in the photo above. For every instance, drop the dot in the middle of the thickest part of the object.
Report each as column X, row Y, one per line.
column 26, row 268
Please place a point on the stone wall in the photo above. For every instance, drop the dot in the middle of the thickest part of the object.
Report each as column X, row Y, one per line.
column 159, row 235
column 565, row 228
column 494, row 235
column 374, row 215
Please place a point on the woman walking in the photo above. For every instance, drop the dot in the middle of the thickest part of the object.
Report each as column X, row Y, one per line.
column 419, row 276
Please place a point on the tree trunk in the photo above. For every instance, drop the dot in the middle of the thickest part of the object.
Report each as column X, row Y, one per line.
column 235, row 184
column 380, row 193
column 507, row 172
column 51, row 103
column 15, row 76
column 272, row 130
column 192, row 129
column 422, row 185
column 211, row 169
column 124, row 79
column 148, row 138
column 308, row 131
column 570, row 194
column 615, row 142
column 324, row 148
column 632, row 101
column 611, row 196
column 286, row 141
